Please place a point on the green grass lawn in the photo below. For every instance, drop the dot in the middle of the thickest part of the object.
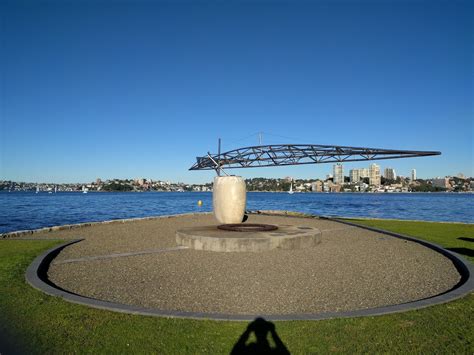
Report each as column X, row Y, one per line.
column 34, row 322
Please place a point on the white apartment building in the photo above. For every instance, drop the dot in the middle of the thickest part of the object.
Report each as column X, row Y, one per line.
column 338, row 173
column 364, row 173
column 413, row 175
column 357, row 174
column 390, row 174
column 354, row 175
column 374, row 175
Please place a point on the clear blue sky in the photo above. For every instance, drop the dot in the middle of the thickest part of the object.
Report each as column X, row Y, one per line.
column 138, row 89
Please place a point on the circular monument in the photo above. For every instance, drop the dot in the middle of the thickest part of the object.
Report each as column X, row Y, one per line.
column 307, row 268
column 285, row 237
column 137, row 267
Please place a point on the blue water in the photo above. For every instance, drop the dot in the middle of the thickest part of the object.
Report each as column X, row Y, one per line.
column 26, row 210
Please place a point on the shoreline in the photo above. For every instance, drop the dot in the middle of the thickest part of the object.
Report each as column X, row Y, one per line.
column 274, row 192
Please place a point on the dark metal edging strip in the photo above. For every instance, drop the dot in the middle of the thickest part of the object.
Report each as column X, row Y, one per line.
column 36, row 276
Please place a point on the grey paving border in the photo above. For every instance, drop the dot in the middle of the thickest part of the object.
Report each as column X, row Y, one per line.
column 36, row 276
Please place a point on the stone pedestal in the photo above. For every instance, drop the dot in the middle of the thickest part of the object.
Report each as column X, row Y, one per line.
column 210, row 238
column 229, row 198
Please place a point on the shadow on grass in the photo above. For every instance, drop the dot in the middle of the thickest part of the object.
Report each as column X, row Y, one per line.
column 261, row 328
column 466, row 239
column 463, row 251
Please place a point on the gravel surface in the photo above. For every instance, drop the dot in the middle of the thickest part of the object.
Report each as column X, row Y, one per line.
column 350, row 269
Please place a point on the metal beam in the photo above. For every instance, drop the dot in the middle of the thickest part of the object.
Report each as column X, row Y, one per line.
column 299, row 154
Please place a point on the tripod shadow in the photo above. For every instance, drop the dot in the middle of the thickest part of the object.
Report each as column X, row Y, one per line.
column 261, row 328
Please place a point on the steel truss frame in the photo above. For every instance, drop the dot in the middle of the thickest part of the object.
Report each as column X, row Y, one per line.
column 298, row 154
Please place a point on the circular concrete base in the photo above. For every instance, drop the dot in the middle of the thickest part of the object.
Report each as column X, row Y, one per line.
column 211, row 238
column 136, row 267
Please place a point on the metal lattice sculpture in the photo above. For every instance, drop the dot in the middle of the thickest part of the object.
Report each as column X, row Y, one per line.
column 296, row 154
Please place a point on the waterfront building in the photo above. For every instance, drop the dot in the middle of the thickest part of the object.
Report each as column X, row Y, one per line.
column 441, row 182
column 374, row 175
column 390, row 174
column 338, row 173
column 413, row 175
column 327, row 185
column 364, row 173
column 358, row 174
column 317, row 186
column 354, row 175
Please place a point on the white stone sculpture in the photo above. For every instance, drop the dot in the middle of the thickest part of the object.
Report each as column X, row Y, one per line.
column 229, row 198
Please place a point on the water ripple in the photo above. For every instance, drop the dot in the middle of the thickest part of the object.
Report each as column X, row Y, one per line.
column 22, row 210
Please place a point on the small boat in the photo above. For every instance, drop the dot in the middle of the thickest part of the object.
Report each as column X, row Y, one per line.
column 291, row 187
column 85, row 190
column 37, row 189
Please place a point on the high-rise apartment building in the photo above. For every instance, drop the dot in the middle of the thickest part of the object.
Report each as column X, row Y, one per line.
column 374, row 175
column 413, row 175
column 389, row 174
column 357, row 174
column 354, row 175
column 338, row 174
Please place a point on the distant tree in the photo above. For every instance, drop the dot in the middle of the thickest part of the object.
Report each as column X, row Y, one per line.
column 284, row 186
column 425, row 187
column 385, row 181
column 114, row 186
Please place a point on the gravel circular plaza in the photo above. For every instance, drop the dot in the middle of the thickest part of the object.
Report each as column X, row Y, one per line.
column 138, row 263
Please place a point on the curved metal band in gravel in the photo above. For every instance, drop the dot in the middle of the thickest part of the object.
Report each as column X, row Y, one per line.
column 247, row 227
column 36, row 276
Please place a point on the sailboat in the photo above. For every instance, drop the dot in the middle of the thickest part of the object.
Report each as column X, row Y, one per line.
column 55, row 188
column 37, row 189
column 291, row 187
column 85, row 190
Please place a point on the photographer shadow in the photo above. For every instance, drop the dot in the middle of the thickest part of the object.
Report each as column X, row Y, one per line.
column 261, row 328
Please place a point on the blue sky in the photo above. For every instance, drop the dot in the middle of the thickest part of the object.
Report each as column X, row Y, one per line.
column 138, row 89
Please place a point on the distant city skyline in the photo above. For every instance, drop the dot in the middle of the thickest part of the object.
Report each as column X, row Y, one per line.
column 337, row 171
column 139, row 89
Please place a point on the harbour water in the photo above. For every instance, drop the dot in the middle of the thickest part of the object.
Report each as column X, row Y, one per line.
column 28, row 210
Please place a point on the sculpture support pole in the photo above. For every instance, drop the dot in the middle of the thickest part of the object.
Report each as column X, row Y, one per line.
column 219, row 158
column 229, row 198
